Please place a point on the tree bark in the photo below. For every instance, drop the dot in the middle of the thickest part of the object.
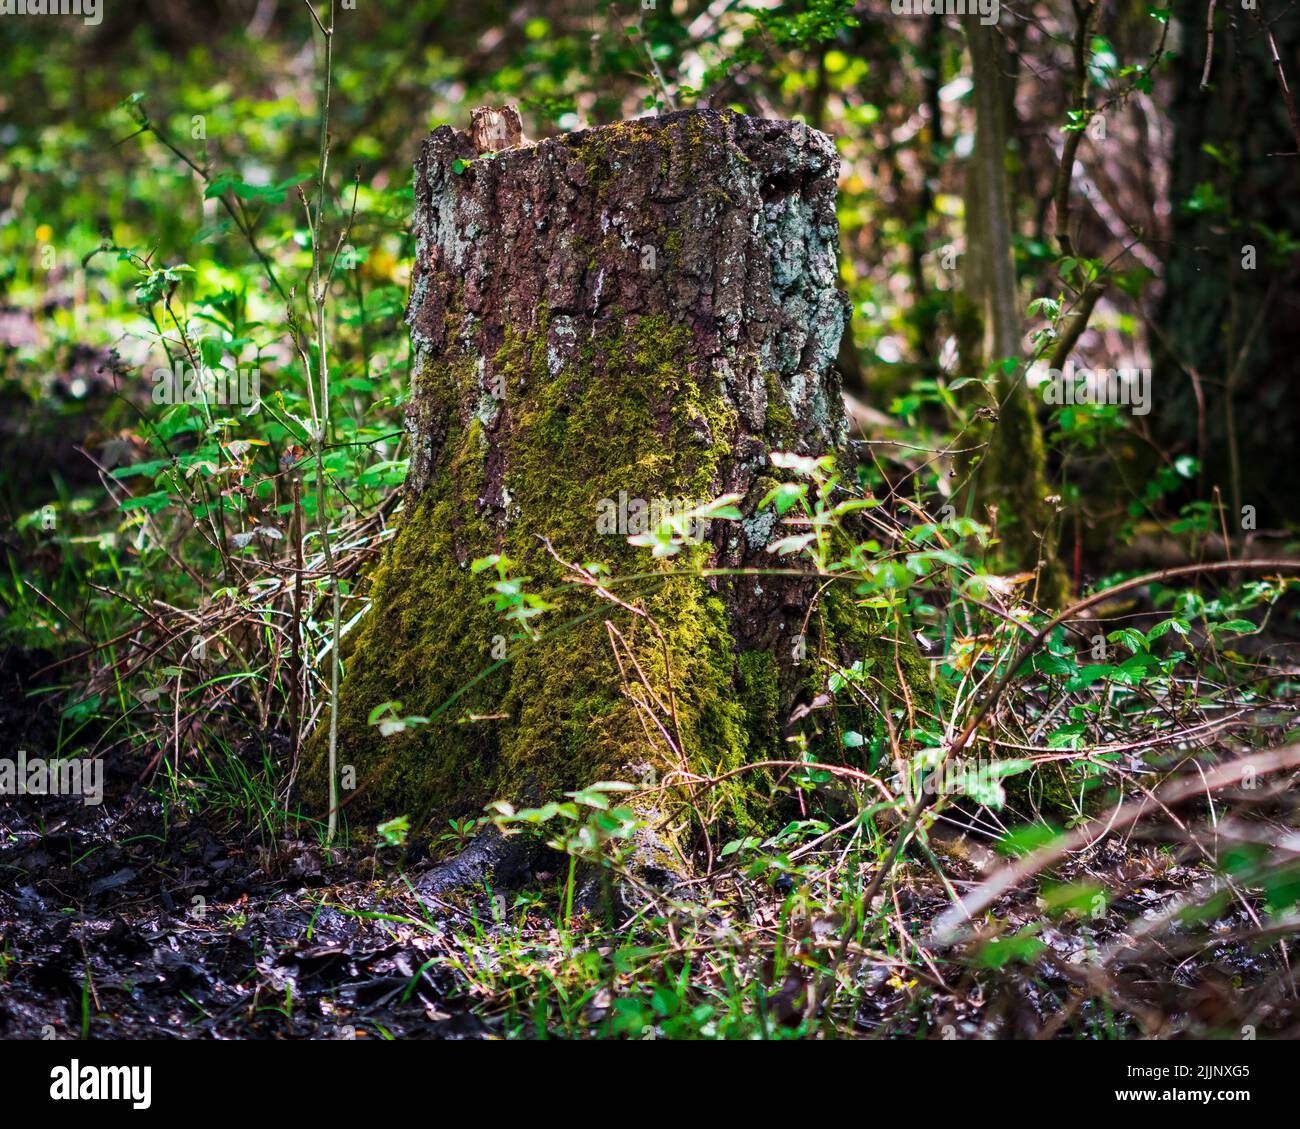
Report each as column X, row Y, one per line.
column 1010, row 480
column 641, row 312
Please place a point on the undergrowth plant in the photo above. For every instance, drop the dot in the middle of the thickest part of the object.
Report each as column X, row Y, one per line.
column 793, row 932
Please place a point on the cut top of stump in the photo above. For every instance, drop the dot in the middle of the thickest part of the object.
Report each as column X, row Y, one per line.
column 723, row 223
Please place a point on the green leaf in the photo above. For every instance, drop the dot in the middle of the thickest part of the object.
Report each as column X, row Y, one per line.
column 1133, row 640
column 1087, row 675
column 1048, row 664
column 266, row 193
column 1067, row 736
column 1025, row 840
column 394, row 832
column 1024, row 946
column 1165, row 626
column 1234, row 627
column 1061, row 897
column 151, row 502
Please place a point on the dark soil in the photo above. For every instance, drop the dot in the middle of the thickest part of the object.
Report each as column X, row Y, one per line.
column 117, row 921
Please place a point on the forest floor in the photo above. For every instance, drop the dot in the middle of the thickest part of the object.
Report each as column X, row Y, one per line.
column 121, row 921
column 129, row 920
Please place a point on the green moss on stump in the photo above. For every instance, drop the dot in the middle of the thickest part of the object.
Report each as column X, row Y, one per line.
column 594, row 403
column 632, row 415
column 568, row 720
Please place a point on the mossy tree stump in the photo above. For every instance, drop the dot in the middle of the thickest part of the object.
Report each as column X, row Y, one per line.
column 628, row 315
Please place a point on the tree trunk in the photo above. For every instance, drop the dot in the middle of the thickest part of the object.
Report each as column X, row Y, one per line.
column 1010, row 479
column 618, row 318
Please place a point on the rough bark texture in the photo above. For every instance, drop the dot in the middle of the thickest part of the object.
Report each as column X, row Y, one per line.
column 642, row 311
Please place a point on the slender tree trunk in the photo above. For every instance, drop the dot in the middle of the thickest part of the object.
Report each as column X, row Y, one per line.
column 1010, row 480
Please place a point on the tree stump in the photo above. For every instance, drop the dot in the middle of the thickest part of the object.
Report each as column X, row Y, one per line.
column 605, row 322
